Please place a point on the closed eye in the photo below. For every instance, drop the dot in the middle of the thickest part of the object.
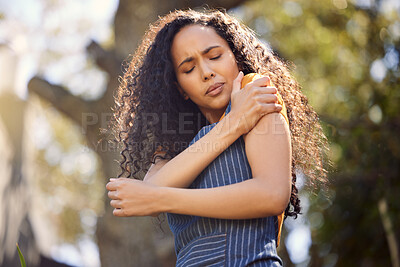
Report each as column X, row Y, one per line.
column 213, row 58
column 189, row 71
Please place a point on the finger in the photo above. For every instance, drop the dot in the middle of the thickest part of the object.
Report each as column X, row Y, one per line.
column 119, row 213
column 113, row 195
column 112, row 185
column 122, row 179
column 267, row 98
column 271, row 108
column 115, row 204
column 263, row 81
column 270, row 90
column 237, row 82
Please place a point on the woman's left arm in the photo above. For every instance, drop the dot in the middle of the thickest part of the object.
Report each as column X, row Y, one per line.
column 268, row 151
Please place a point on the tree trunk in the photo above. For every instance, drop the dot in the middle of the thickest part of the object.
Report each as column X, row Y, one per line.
column 14, row 203
column 15, row 226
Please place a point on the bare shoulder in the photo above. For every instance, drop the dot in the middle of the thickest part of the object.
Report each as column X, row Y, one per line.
column 268, row 150
column 272, row 124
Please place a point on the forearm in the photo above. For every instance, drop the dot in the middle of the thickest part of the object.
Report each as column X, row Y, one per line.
column 253, row 198
column 183, row 169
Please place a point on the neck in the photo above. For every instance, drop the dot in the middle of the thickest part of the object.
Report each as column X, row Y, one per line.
column 212, row 115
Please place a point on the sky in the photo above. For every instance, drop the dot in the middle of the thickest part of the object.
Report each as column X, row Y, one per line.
column 49, row 39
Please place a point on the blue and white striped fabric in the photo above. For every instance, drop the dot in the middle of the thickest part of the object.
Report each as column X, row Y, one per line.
column 201, row 241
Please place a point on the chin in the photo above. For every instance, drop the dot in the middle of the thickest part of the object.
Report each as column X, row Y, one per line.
column 221, row 102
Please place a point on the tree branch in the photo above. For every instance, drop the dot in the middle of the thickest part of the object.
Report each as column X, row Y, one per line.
column 106, row 60
column 389, row 232
column 64, row 101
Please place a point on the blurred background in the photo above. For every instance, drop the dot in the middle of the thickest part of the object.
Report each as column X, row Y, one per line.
column 59, row 65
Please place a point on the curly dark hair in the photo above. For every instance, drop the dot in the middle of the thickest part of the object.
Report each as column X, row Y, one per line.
column 148, row 90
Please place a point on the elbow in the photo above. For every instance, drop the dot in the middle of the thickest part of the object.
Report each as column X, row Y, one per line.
column 281, row 205
column 278, row 206
column 277, row 199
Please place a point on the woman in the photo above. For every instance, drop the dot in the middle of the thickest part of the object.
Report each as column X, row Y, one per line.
column 224, row 158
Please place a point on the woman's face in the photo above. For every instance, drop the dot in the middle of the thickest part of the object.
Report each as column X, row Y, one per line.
column 202, row 60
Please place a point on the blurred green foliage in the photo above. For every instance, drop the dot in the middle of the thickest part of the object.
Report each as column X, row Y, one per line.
column 347, row 60
column 66, row 174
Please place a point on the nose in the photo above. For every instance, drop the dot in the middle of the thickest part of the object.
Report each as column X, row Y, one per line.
column 207, row 72
column 209, row 76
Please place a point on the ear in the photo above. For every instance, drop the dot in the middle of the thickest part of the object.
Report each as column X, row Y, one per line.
column 183, row 94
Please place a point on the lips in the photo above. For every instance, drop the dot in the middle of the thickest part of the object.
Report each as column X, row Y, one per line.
column 213, row 87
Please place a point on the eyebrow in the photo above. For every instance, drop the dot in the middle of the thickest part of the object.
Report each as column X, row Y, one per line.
column 205, row 51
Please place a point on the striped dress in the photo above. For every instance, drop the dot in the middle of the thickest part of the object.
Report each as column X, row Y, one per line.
column 202, row 241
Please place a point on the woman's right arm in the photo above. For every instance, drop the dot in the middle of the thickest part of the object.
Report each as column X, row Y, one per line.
column 248, row 106
column 183, row 169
